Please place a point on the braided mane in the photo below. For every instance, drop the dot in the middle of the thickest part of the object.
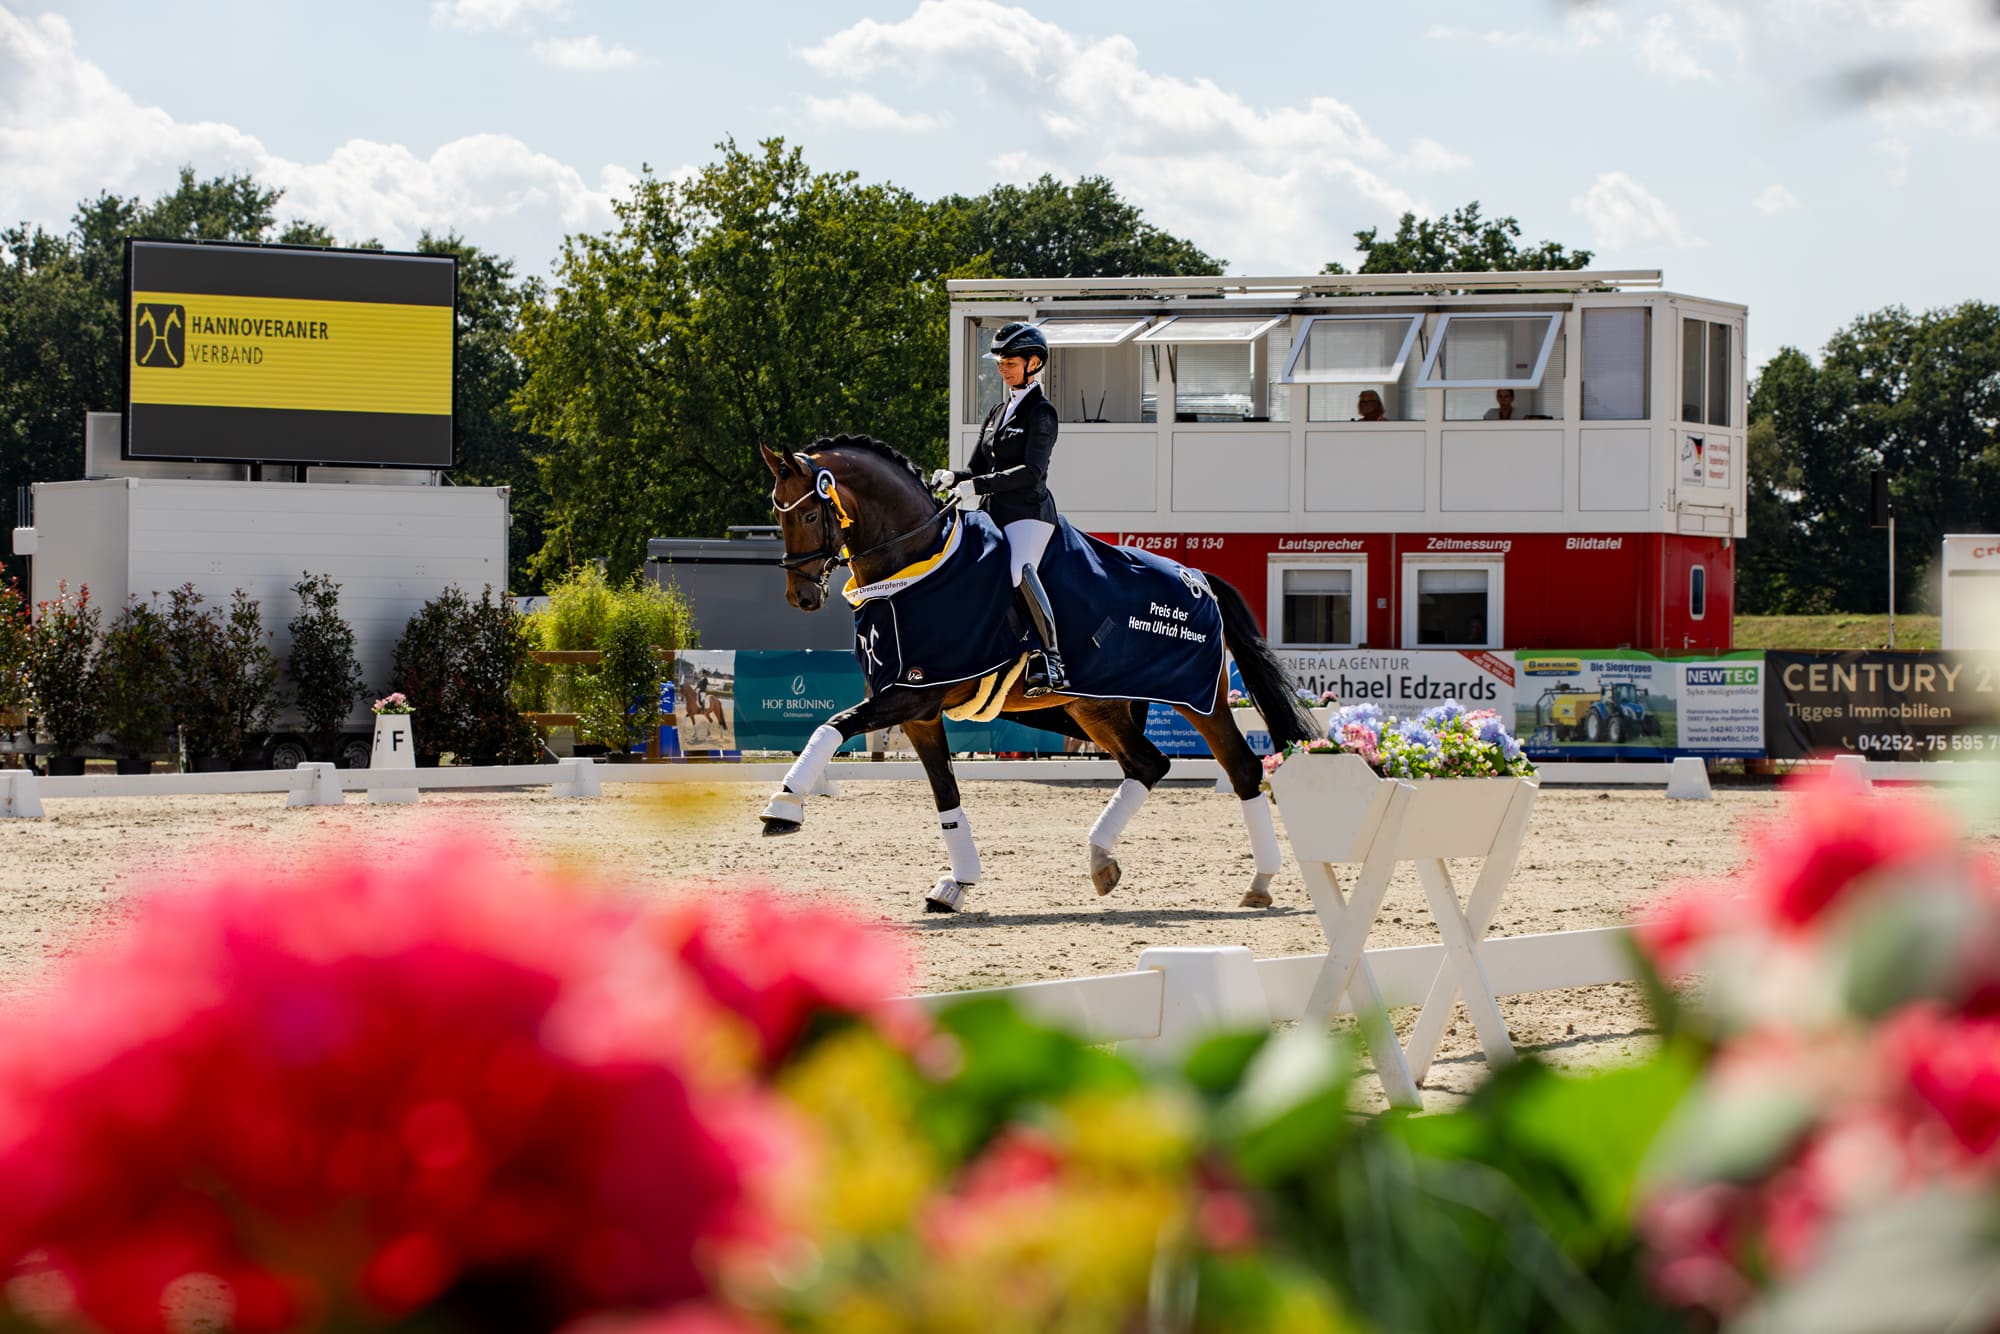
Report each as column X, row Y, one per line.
column 881, row 449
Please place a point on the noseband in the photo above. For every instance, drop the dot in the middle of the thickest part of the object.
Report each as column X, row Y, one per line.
column 833, row 512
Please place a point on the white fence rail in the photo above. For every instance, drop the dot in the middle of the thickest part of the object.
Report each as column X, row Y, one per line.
column 1167, row 1003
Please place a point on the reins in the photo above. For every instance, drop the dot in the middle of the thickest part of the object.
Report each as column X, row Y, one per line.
column 826, row 491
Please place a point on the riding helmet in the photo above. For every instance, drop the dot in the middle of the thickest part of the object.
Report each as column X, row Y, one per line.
column 1020, row 340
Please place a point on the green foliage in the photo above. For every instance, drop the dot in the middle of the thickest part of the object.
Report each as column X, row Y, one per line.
column 586, row 612
column 16, row 636
column 326, row 678
column 619, row 703
column 134, row 679
column 756, row 302
column 62, row 670
column 581, row 603
column 1917, row 395
column 1460, row 242
column 1086, row 230
column 195, row 658
column 456, row 663
column 247, row 674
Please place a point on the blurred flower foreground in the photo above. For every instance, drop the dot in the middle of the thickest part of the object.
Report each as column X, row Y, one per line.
column 469, row 1095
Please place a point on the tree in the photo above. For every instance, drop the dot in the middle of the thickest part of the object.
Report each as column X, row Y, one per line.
column 1915, row 395
column 758, row 302
column 1459, row 242
column 1052, row 230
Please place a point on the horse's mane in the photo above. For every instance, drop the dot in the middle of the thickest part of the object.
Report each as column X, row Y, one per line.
column 881, row 449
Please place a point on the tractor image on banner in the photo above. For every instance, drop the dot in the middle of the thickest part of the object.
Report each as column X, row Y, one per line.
column 1579, row 705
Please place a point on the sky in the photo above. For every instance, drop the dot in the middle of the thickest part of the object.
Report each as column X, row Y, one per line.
column 1812, row 159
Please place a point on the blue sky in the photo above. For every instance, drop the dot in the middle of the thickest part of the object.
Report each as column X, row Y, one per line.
column 1705, row 139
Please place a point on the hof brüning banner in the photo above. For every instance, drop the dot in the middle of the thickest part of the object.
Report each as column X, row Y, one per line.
column 280, row 355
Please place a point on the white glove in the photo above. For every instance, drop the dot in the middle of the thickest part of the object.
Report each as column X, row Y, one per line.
column 967, row 494
column 943, row 479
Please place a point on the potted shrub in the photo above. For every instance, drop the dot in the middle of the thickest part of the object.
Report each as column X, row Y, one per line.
column 326, row 678
column 621, row 704
column 16, row 631
column 195, row 655
column 247, row 673
column 135, row 681
column 457, row 662
column 62, row 660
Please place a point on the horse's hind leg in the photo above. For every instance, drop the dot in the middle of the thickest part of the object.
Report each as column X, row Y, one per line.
column 1246, row 776
column 927, row 737
column 1113, row 725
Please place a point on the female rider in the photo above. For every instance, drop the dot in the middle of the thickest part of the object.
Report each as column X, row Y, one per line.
column 1009, row 467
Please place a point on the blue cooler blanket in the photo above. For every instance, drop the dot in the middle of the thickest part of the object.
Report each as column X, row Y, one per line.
column 1132, row 625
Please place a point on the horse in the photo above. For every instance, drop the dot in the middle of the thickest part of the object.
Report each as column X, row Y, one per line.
column 853, row 500
column 702, row 704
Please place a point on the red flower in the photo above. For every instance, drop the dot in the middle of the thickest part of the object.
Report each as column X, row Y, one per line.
column 777, row 966
column 1833, row 840
column 1952, row 1066
column 1672, row 928
column 362, row 1090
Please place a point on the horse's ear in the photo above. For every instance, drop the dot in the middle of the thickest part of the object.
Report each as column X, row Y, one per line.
column 775, row 462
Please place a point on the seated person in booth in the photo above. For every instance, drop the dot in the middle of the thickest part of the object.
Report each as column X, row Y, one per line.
column 1369, row 405
column 1504, row 409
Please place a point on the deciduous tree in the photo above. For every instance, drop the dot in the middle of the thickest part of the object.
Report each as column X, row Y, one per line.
column 1462, row 241
column 1086, row 230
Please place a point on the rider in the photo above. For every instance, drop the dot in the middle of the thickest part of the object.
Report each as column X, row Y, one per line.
column 1010, row 467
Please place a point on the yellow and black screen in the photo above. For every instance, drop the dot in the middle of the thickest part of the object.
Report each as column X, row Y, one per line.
column 267, row 355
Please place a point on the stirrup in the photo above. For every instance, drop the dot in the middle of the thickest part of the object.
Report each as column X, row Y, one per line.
column 1035, row 678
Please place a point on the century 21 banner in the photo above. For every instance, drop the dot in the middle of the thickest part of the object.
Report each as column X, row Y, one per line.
column 1887, row 706
column 269, row 354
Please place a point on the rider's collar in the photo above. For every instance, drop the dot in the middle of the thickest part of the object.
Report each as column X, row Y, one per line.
column 909, row 574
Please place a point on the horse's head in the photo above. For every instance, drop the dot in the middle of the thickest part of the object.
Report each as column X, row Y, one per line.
column 809, row 522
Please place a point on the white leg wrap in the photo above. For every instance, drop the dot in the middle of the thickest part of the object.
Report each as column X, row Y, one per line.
column 810, row 767
column 1118, row 813
column 1263, row 835
column 958, row 842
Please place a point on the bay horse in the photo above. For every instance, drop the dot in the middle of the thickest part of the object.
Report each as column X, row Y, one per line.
column 698, row 703
column 855, row 501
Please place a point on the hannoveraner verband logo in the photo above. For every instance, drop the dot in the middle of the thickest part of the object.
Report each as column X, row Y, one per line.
column 159, row 335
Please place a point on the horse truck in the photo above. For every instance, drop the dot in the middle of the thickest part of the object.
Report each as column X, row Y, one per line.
column 391, row 540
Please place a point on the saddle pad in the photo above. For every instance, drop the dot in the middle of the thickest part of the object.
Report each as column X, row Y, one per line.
column 990, row 700
column 1130, row 624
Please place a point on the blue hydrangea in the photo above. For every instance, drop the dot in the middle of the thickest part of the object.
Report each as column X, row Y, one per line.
column 1439, row 714
column 1368, row 715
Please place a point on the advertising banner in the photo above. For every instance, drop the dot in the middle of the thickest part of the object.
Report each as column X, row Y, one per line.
column 707, row 701
column 1887, row 706
column 773, row 699
column 1405, row 683
column 267, row 354
column 1628, row 705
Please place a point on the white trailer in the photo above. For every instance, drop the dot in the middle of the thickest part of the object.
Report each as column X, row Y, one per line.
column 390, row 547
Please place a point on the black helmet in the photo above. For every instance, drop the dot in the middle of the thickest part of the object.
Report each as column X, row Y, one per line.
column 1020, row 340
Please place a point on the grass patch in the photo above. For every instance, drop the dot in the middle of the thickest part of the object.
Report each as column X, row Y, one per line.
column 1839, row 630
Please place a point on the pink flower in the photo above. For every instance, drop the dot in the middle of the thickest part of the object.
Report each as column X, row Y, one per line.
column 1833, row 841
column 1952, row 1067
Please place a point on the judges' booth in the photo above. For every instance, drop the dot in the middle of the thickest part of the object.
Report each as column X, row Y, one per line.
column 1484, row 460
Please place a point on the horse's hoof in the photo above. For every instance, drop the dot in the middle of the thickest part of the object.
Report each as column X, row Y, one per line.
column 1256, row 898
column 1105, row 873
column 783, row 813
column 773, row 826
column 948, row 895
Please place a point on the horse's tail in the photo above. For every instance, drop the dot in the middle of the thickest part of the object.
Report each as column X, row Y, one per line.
column 1264, row 677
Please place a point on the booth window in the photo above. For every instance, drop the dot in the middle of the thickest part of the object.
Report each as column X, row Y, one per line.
column 1697, row 592
column 1616, row 350
column 1471, row 356
column 1214, row 364
column 985, row 378
column 1094, row 368
column 1705, row 364
column 1340, row 356
column 1319, row 604
column 1451, row 605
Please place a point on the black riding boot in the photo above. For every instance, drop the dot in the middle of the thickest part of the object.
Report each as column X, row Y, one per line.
column 1044, row 673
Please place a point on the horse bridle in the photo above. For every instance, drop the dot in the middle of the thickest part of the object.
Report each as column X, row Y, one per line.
column 826, row 491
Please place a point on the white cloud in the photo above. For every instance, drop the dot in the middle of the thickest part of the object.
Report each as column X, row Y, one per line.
column 1626, row 215
column 1429, row 155
column 861, row 111
column 495, row 15
column 585, row 53
column 1661, row 50
column 1261, row 185
column 1774, row 200
column 67, row 132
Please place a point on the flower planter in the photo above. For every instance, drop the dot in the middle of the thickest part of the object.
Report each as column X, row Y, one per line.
column 130, row 766
column 1331, row 804
column 65, row 766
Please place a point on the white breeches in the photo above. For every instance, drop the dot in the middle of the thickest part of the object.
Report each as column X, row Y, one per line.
column 1027, row 539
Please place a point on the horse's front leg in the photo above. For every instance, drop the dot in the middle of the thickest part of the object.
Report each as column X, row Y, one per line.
column 786, row 811
column 927, row 735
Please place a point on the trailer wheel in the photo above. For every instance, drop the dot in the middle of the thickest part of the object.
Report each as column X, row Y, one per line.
column 356, row 752
column 289, row 752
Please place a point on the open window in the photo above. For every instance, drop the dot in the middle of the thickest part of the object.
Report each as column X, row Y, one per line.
column 1214, row 363
column 1093, row 373
column 1343, row 357
column 1473, row 357
column 1318, row 603
column 1452, row 603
